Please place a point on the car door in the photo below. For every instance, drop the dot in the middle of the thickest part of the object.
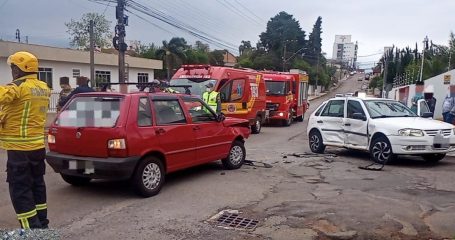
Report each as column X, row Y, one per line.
column 213, row 139
column 355, row 128
column 422, row 107
column 330, row 122
column 176, row 137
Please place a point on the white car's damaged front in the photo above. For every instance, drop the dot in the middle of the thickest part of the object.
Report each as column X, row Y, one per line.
column 407, row 133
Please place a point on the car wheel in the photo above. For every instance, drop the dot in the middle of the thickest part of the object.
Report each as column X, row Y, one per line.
column 75, row 180
column 256, row 128
column 299, row 118
column 236, row 156
column 316, row 144
column 287, row 122
column 381, row 150
column 433, row 158
column 148, row 177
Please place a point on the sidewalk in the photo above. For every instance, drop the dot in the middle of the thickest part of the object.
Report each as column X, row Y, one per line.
column 313, row 97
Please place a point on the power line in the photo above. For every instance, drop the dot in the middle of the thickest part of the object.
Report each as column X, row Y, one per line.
column 246, row 16
column 249, row 11
column 235, row 10
column 3, row 4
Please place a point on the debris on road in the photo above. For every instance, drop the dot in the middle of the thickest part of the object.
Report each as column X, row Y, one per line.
column 373, row 167
column 30, row 234
column 254, row 163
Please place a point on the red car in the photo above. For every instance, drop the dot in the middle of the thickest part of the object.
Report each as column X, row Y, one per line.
column 141, row 137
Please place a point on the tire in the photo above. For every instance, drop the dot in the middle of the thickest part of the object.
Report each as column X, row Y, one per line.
column 381, row 150
column 256, row 128
column 315, row 141
column 148, row 177
column 236, row 156
column 75, row 180
column 299, row 118
column 433, row 158
column 287, row 122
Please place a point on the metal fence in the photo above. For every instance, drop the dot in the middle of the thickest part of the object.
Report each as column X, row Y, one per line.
column 53, row 101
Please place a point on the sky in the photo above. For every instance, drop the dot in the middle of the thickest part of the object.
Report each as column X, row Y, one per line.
column 373, row 24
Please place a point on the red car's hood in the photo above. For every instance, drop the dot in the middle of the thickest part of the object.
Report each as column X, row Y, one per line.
column 236, row 122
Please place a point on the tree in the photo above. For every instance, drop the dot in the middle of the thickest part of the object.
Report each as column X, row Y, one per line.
column 173, row 53
column 216, row 57
column 147, row 51
column 283, row 30
column 79, row 31
column 314, row 47
column 200, row 46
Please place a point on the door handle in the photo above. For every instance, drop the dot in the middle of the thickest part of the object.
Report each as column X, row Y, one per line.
column 160, row 131
column 196, row 128
column 347, row 124
column 319, row 121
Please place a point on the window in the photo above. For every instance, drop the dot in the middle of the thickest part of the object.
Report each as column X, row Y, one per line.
column 76, row 73
column 91, row 112
column 45, row 75
column 144, row 114
column 103, row 76
column 233, row 91
column 142, row 77
column 334, row 108
column 318, row 112
column 199, row 111
column 354, row 107
column 168, row 112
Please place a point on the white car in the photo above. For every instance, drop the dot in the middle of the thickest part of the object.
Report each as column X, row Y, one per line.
column 383, row 127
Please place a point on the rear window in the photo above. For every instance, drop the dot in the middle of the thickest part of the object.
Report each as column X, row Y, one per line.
column 91, row 112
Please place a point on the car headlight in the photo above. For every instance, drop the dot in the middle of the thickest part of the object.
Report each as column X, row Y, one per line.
column 411, row 132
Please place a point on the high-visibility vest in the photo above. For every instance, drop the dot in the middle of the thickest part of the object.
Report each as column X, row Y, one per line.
column 24, row 104
column 211, row 99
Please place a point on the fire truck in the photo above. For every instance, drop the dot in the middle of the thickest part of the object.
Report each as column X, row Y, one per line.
column 242, row 91
column 287, row 94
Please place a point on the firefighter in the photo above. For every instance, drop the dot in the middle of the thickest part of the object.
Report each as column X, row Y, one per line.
column 24, row 104
column 212, row 98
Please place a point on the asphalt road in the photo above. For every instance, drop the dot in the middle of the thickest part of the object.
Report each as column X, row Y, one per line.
column 306, row 197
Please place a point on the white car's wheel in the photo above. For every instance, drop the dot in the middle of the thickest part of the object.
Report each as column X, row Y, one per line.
column 315, row 140
column 381, row 150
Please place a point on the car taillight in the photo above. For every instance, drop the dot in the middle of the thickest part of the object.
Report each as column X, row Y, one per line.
column 117, row 148
column 50, row 139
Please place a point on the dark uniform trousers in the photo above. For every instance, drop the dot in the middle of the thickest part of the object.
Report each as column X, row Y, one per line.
column 25, row 175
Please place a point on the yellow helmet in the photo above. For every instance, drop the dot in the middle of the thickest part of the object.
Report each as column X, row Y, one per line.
column 26, row 61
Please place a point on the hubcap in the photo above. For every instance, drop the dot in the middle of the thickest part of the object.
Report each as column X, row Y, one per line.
column 236, row 155
column 151, row 176
column 381, row 151
column 258, row 124
column 314, row 142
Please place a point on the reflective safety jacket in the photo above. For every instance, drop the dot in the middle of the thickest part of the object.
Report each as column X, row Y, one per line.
column 212, row 99
column 24, row 103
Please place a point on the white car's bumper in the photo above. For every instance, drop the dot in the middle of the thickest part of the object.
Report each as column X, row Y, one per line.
column 421, row 145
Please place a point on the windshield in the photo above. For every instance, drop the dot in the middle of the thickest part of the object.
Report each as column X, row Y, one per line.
column 197, row 85
column 387, row 108
column 276, row 88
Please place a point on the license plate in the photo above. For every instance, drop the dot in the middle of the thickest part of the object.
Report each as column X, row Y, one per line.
column 72, row 165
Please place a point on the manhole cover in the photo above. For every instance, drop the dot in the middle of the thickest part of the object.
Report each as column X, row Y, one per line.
column 235, row 221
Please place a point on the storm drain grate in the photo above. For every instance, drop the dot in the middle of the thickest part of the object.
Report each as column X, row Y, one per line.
column 233, row 220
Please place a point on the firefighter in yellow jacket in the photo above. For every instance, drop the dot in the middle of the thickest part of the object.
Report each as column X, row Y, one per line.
column 24, row 103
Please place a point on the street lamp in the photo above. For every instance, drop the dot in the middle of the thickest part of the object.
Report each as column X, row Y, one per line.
column 425, row 44
column 284, row 53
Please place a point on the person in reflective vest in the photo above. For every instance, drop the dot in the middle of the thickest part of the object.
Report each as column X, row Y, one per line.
column 212, row 98
column 24, row 103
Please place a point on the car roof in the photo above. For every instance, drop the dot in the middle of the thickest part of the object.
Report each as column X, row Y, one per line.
column 363, row 98
column 154, row 95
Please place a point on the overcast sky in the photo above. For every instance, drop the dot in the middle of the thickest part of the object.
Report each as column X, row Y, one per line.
column 374, row 24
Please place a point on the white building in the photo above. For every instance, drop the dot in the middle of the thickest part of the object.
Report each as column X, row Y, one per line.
column 60, row 62
column 344, row 50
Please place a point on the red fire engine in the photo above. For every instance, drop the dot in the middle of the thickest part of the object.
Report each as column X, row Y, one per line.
column 287, row 94
column 242, row 91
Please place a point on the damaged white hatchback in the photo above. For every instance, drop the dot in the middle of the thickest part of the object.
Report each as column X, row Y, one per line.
column 386, row 128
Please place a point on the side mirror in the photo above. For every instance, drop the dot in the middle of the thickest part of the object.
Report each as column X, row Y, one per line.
column 427, row 115
column 359, row 116
column 220, row 117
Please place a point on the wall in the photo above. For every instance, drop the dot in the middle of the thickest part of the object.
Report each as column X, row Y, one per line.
column 440, row 91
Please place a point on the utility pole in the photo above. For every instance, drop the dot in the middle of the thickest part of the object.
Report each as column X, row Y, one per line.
column 317, row 77
column 92, row 54
column 119, row 42
column 450, row 58
column 425, row 43
column 284, row 57
column 18, row 35
column 26, row 39
column 384, row 81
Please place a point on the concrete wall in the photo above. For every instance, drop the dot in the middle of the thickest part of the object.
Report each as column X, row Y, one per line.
column 440, row 91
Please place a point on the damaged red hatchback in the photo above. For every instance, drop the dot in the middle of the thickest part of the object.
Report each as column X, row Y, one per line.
column 141, row 137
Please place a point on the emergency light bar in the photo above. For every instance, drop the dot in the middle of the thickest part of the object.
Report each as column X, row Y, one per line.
column 195, row 66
